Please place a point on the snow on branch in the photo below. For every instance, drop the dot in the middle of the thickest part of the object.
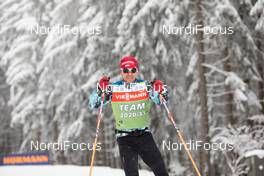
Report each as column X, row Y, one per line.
column 257, row 10
column 258, row 153
column 219, row 94
column 61, row 8
column 216, row 84
column 215, row 69
column 154, row 5
column 51, row 56
column 192, row 64
column 20, row 74
column 231, row 78
column 257, row 118
column 236, row 83
column 27, row 24
column 17, row 50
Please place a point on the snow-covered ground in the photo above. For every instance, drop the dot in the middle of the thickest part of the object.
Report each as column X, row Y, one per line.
column 63, row 170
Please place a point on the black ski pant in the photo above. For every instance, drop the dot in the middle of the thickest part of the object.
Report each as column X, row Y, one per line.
column 130, row 147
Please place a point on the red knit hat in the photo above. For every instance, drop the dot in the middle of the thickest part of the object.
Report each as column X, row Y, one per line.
column 128, row 62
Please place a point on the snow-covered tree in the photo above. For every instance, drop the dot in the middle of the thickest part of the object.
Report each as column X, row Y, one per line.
column 257, row 12
column 5, row 144
column 19, row 61
column 239, row 141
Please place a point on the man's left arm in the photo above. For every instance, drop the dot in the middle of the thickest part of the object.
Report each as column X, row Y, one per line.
column 157, row 89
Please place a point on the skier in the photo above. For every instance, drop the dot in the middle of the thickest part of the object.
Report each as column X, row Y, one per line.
column 130, row 100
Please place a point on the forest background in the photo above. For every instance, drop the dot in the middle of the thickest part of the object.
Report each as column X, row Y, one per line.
column 52, row 53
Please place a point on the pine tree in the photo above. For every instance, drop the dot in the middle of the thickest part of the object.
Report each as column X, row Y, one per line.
column 5, row 144
column 19, row 62
column 205, row 156
column 239, row 141
column 258, row 13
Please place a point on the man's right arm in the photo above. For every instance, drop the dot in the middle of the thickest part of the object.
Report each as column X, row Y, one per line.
column 96, row 96
column 94, row 100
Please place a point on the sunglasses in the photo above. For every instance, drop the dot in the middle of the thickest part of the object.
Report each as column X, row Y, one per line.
column 127, row 70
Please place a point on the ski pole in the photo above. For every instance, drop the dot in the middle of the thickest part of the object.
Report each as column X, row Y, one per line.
column 96, row 133
column 164, row 102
